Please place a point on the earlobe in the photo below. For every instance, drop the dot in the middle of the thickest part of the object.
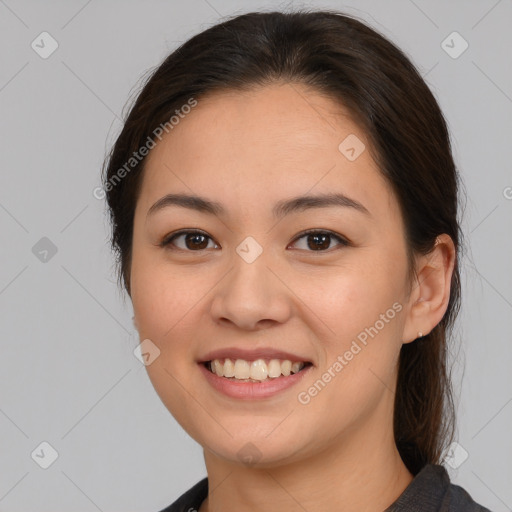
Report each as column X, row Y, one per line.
column 431, row 291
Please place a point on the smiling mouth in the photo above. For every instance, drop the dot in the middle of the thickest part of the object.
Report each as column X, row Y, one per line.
column 259, row 370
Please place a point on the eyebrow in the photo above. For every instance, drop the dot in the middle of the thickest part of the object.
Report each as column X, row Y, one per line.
column 280, row 209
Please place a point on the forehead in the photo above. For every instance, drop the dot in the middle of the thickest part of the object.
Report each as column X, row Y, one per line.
column 252, row 148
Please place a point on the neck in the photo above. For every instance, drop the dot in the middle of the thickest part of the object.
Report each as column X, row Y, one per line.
column 362, row 471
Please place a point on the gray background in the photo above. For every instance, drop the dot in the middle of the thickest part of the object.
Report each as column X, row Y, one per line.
column 68, row 375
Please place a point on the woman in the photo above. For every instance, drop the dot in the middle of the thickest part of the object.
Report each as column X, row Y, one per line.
column 284, row 203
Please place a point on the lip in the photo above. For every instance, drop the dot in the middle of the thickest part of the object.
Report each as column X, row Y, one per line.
column 253, row 354
column 252, row 390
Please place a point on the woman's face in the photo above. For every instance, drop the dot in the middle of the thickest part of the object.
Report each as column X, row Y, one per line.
column 254, row 280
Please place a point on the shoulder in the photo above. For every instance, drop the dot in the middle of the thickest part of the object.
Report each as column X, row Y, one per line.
column 432, row 491
column 191, row 500
column 458, row 499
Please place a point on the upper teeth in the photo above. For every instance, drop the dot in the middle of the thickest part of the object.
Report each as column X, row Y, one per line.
column 257, row 370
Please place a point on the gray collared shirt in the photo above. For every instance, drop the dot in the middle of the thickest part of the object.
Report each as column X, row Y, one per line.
column 432, row 491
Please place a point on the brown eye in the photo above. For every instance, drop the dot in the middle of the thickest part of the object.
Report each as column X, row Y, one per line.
column 191, row 241
column 320, row 241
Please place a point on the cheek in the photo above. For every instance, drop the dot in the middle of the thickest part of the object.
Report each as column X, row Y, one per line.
column 359, row 349
column 360, row 311
column 163, row 297
column 163, row 302
column 351, row 298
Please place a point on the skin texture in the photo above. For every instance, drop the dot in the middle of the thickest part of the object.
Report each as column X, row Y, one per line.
column 248, row 150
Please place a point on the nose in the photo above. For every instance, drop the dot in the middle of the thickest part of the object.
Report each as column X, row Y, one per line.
column 251, row 296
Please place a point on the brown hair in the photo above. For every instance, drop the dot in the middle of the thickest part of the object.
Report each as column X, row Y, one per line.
column 353, row 64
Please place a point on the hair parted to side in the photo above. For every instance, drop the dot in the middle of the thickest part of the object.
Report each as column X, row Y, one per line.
column 338, row 56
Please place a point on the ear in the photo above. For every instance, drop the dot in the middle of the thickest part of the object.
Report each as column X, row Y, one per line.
column 430, row 291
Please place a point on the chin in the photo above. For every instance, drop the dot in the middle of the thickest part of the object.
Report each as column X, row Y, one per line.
column 259, row 452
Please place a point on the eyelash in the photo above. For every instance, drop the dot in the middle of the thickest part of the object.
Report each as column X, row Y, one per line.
column 167, row 241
